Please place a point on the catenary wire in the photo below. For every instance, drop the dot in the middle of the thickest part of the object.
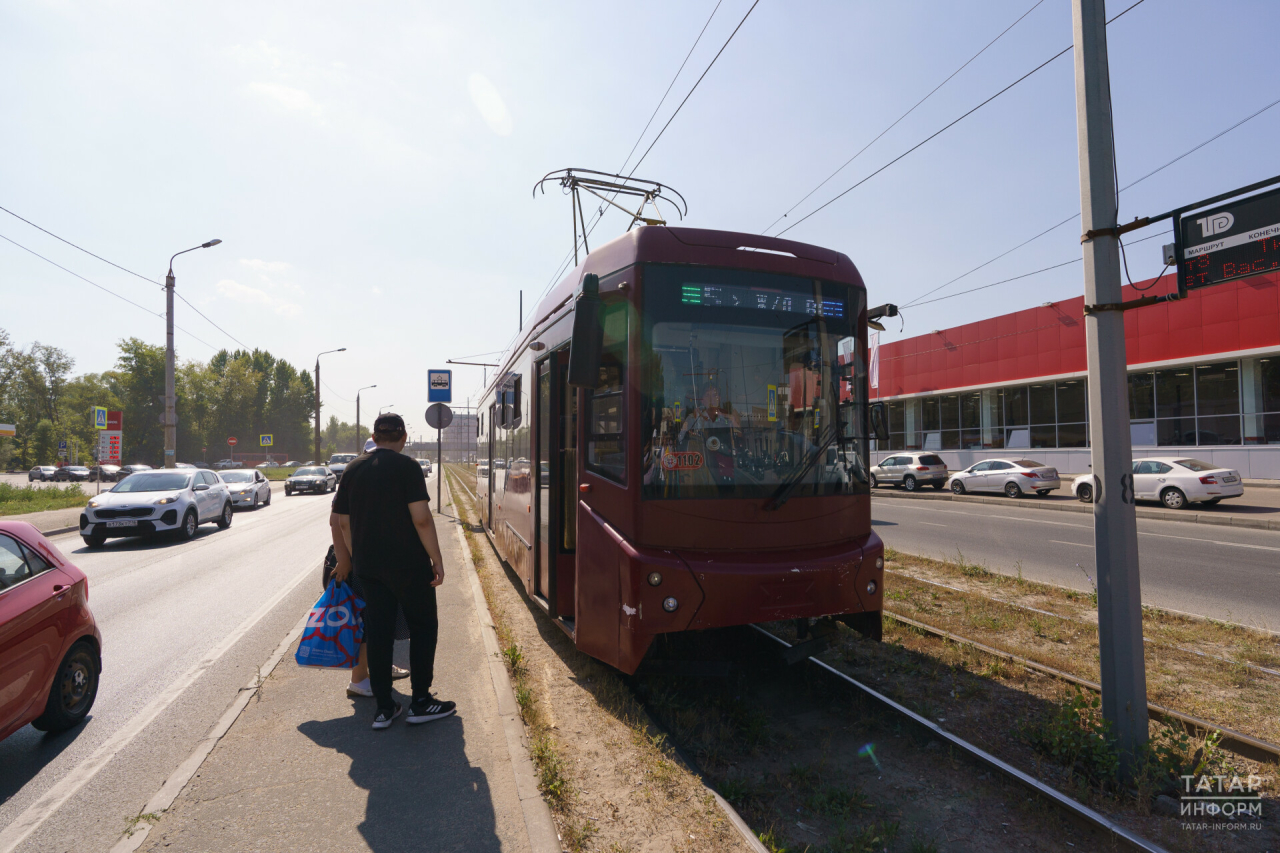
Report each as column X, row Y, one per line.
column 103, row 289
column 1075, row 216
column 81, row 248
column 211, row 323
column 942, row 130
column 931, row 93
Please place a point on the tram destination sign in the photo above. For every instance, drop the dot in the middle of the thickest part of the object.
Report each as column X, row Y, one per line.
column 1232, row 240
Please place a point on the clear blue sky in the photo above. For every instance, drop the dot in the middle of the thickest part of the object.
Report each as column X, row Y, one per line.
column 369, row 165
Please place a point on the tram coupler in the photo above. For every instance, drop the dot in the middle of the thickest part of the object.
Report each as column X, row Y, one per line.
column 823, row 631
column 869, row 624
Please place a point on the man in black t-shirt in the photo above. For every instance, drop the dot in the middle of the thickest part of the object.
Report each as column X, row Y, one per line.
column 383, row 509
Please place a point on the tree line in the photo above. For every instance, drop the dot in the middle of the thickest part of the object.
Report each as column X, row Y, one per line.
column 242, row 394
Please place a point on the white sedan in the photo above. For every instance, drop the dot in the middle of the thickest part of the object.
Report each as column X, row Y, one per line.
column 155, row 502
column 1014, row 477
column 1174, row 481
column 248, row 488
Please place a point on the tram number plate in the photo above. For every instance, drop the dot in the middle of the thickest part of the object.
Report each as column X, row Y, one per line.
column 122, row 524
column 681, row 460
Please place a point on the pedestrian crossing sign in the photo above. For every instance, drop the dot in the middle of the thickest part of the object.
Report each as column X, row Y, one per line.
column 265, row 440
column 99, row 417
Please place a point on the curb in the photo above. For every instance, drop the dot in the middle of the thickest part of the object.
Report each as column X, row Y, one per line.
column 1219, row 519
column 539, row 825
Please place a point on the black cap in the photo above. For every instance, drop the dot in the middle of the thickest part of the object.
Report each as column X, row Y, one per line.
column 389, row 423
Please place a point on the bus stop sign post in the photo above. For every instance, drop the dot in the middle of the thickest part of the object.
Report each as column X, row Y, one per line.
column 1115, row 524
column 439, row 416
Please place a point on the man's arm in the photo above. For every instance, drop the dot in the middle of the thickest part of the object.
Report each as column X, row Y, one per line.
column 340, row 534
column 425, row 524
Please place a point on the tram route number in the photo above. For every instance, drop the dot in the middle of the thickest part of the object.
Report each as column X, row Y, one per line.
column 681, row 460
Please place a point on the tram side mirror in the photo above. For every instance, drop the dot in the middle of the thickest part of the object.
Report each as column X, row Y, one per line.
column 587, row 345
column 879, row 422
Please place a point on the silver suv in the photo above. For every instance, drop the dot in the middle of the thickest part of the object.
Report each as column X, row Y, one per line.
column 911, row 471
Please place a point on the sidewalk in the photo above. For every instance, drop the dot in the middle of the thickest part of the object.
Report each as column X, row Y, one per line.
column 301, row 769
column 51, row 522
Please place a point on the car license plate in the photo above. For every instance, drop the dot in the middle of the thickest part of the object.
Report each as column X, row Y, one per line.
column 1229, row 479
column 122, row 524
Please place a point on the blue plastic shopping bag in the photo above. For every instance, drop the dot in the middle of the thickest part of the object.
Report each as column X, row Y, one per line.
column 334, row 630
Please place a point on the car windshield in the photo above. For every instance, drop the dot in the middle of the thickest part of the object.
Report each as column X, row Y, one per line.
column 342, row 458
column 748, row 377
column 156, row 482
column 236, row 477
column 1028, row 463
column 309, row 472
column 76, row 468
column 1196, row 465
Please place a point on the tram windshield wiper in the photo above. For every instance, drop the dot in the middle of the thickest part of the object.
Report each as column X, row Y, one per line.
column 787, row 486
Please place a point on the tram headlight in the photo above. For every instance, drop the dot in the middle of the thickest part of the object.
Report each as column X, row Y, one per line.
column 669, row 604
column 871, row 587
column 655, row 578
column 879, row 563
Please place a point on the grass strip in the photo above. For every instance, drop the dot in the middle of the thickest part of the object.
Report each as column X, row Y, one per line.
column 18, row 500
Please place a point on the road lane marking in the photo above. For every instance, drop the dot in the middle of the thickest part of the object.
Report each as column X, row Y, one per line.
column 931, row 524
column 1081, row 544
column 53, row 799
column 1210, row 541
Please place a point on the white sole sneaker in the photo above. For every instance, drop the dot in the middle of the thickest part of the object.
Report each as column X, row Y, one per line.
column 355, row 691
column 381, row 722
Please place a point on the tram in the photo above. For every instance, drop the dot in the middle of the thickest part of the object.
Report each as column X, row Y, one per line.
column 679, row 441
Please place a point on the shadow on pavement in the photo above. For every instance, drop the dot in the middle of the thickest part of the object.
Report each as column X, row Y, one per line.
column 424, row 795
column 28, row 751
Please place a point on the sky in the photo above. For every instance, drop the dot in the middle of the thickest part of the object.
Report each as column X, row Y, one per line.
column 369, row 166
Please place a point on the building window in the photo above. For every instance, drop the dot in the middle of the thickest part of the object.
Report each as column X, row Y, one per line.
column 1073, row 435
column 1175, row 393
column 993, row 418
column 1142, row 396
column 1260, row 392
column 1015, row 407
column 1218, row 389
column 1042, row 407
column 1072, row 405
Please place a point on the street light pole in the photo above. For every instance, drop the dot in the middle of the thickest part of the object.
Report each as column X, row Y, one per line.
column 326, row 352
column 1115, row 526
column 170, row 417
column 359, row 443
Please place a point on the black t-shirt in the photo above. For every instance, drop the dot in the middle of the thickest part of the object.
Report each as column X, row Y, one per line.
column 375, row 491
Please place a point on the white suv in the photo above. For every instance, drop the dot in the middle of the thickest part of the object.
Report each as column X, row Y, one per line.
column 911, row 471
column 156, row 502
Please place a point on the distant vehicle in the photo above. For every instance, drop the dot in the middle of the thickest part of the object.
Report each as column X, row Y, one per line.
column 50, row 648
column 183, row 465
column 338, row 463
column 225, row 463
column 104, row 473
column 71, row 474
column 310, row 462
column 425, row 464
column 202, row 464
column 1011, row 476
column 41, row 473
column 263, row 465
column 1175, row 481
column 248, row 488
column 292, row 464
column 482, row 469
column 126, row 470
column 156, row 502
column 314, row 479
column 911, row 471
column 499, row 464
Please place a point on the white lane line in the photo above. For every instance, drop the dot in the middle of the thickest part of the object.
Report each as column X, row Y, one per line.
column 1210, row 541
column 1080, row 544
column 42, row 809
column 1004, row 517
column 931, row 524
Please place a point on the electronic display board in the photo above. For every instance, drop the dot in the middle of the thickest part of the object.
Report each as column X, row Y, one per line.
column 764, row 299
column 1236, row 239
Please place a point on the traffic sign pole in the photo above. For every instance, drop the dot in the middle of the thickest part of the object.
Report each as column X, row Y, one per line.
column 1115, row 526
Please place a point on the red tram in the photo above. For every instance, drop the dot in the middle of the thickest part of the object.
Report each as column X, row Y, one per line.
column 679, row 442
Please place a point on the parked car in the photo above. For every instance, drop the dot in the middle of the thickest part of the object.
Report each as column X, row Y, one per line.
column 104, row 473
column 126, row 470
column 201, row 464
column 42, row 473
column 248, row 487
column 338, row 463
column 71, row 474
column 226, row 463
column 1177, row 482
column 183, row 465
column 425, row 464
column 264, row 465
column 911, row 471
column 1011, row 476
column 156, row 502
column 314, row 479
column 292, row 464
column 50, row 648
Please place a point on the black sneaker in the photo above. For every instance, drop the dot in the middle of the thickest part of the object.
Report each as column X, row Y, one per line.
column 429, row 708
column 386, row 715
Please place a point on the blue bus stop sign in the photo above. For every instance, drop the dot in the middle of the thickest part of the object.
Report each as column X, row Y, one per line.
column 439, row 386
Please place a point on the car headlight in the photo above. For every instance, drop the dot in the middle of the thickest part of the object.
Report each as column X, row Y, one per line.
column 169, row 500
column 93, row 503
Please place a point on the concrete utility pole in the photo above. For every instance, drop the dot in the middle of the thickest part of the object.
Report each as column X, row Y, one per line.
column 170, row 417
column 1115, row 527
column 326, row 352
column 359, row 443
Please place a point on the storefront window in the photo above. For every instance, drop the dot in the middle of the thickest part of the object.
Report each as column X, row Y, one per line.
column 993, row 418
column 1218, row 389
column 931, row 422
column 1015, row 407
column 1175, row 395
column 1071, row 401
column 1042, row 408
column 1073, row 435
column 1142, row 396
column 1176, row 432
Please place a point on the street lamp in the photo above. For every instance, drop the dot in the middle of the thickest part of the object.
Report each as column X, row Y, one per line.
column 326, row 352
column 170, row 417
column 384, row 408
column 359, row 443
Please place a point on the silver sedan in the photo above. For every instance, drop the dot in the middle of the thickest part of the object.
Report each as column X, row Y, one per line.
column 1014, row 477
column 249, row 488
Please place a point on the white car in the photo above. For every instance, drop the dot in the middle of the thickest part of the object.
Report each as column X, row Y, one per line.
column 156, row 502
column 911, row 470
column 248, row 488
column 1175, row 481
column 1014, row 477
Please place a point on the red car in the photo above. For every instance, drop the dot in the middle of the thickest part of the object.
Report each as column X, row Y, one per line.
column 50, row 648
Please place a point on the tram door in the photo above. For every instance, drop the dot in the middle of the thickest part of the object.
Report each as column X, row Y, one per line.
column 555, row 486
column 493, row 410
column 543, row 568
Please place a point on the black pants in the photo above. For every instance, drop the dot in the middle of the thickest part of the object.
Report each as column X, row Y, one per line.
column 417, row 598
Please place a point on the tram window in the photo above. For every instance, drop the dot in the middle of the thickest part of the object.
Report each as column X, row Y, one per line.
column 606, row 442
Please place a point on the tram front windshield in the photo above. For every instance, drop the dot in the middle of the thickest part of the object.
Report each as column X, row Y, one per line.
column 754, row 385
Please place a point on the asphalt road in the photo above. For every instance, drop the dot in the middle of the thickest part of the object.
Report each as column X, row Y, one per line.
column 163, row 607
column 1223, row 572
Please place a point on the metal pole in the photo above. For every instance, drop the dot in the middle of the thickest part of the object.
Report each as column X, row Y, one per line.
column 318, row 462
column 439, row 472
column 170, row 420
column 1115, row 529
column 359, row 443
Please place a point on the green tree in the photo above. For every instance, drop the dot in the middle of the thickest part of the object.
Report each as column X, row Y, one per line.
column 44, row 443
column 140, row 388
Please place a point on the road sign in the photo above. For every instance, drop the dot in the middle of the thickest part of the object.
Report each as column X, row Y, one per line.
column 231, row 440
column 109, row 446
column 8, row 430
column 99, row 417
column 62, row 445
column 1236, row 239
column 439, row 386
column 264, row 440
column 439, row 416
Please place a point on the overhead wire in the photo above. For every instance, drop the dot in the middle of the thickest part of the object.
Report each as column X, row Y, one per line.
column 210, row 322
column 931, row 93
column 943, row 129
column 81, row 248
